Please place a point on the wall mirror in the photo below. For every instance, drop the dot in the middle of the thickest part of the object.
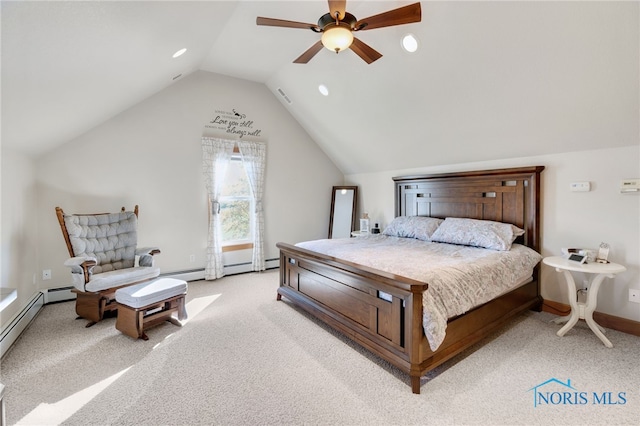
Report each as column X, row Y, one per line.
column 343, row 211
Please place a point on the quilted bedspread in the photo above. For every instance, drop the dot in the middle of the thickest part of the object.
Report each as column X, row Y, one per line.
column 459, row 277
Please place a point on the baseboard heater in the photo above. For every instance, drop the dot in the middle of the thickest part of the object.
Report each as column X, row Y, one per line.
column 234, row 269
column 62, row 294
column 20, row 322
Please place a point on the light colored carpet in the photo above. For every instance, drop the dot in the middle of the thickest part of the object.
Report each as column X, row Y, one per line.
column 244, row 358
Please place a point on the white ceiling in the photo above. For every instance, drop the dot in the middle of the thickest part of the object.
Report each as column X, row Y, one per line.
column 490, row 80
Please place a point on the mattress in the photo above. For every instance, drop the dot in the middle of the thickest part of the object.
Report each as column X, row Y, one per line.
column 459, row 277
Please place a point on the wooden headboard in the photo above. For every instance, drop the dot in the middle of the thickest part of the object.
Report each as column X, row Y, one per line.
column 503, row 195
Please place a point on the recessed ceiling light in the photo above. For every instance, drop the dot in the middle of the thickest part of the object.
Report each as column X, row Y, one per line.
column 179, row 53
column 410, row 43
column 323, row 89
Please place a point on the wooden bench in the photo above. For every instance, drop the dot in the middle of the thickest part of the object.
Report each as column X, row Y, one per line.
column 150, row 303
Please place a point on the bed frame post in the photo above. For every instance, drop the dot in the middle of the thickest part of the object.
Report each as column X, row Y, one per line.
column 415, row 333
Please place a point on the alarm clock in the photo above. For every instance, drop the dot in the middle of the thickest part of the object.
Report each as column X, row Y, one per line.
column 580, row 258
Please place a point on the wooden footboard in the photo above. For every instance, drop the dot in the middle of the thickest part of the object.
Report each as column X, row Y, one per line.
column 371, row 307
column 383, row 312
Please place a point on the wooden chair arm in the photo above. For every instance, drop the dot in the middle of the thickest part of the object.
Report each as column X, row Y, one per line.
column 141, row 251
column 86, row 267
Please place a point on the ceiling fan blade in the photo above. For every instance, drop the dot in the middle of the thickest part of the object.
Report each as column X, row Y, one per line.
column 366, row 52
column 283, row 23
column 310, row 53
column 402, row 15
column 337, row 6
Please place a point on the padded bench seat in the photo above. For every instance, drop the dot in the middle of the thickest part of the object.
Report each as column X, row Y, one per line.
column 141, row 306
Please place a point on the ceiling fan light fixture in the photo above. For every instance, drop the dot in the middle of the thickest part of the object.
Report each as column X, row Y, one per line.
column 337, row 37
column 338, row 25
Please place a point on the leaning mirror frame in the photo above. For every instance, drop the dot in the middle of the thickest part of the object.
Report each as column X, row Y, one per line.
column 342, row 219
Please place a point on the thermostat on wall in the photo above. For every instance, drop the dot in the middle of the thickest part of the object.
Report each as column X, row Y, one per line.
column 630, row 185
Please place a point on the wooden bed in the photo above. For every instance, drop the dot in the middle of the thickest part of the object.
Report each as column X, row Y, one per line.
column 346, row 295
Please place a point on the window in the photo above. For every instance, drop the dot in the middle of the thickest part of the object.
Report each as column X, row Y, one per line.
column 241, row 191
column 236, row 205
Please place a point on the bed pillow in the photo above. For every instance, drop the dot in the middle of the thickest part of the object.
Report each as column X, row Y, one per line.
column 477, row 233
column 418, row 227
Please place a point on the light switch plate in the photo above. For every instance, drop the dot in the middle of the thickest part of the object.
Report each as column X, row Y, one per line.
column 580, row 186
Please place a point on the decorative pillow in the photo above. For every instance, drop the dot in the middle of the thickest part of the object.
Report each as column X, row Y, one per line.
column 418, row 227
column 477, row 233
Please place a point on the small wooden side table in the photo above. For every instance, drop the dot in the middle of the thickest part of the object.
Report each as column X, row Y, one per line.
column 583, row 310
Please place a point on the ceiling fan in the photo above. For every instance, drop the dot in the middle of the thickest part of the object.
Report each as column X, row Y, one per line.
column 337, row 28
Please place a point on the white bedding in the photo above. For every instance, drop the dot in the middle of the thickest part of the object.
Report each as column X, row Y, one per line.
column 459, row 277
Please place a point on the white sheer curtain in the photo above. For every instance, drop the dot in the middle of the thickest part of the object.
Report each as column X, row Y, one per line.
column 216, row 154
column 254, row 158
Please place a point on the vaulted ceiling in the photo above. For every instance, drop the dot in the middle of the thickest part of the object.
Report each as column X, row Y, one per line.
column 489, row 80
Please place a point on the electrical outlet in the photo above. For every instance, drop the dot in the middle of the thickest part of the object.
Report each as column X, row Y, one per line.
column 46, row 274
column 585, row 285
column 192, row 258
column 634, row 295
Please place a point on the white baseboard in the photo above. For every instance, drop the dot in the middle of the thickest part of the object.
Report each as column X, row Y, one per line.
column 52, row 295
column 20, row 322
column 193, row 275
column 240, row 268
column 243, row 268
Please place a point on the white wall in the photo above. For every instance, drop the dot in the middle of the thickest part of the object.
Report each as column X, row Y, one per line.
column 569, row 219
column 150, row 155
column 19, row 230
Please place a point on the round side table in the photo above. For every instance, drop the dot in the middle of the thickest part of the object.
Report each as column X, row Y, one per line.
column 583, row 310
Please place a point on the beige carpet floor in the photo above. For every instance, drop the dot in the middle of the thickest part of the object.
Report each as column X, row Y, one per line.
column 244, row 358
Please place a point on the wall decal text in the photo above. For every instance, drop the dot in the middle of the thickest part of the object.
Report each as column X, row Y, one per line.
column 233, row 122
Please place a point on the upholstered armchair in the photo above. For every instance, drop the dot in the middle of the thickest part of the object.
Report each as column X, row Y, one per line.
column 104, row 257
